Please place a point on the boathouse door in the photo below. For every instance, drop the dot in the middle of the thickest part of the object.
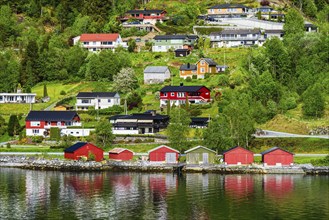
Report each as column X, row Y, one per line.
column 205, row 158
column 170, row 157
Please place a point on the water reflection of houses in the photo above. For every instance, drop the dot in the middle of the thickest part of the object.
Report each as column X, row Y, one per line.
column 278, row 186
column 37, row 190
column 85, row 184
column 239, row 186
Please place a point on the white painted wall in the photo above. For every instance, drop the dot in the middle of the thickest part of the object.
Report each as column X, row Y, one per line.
column 77, row 132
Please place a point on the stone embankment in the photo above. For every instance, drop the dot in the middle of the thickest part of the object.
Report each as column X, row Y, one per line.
column 145, row 166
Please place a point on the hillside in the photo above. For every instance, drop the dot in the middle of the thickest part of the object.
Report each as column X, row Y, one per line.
column 275, row 81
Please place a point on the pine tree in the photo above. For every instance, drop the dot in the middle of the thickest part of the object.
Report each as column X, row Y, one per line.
column 45, row 93
column 13, row 125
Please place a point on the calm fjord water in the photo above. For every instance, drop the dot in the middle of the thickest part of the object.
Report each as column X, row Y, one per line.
column 27, row 194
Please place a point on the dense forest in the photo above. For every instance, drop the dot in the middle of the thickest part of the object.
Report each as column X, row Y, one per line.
column 36, row 44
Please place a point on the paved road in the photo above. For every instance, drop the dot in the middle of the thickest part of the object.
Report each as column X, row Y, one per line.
column 276, row 134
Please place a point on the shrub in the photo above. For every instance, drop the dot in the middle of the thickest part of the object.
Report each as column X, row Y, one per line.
column 37, row 139
column 62, row 92
column 91, row 156
column 194, row 77
column 188, row 79
column 206, row 75
column 8, row 145
column 138, row 140
column 55, row 133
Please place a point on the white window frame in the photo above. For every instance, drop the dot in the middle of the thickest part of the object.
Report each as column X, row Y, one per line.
column 35, row 123
column 172, row 94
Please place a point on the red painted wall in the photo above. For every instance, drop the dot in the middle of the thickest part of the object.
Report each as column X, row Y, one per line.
column 203, row 94
column 28, row 125
column 278, row 156
column 124, row 155
column 84, row 151
column 239, row 155
column 239, row 186
column 160, row 154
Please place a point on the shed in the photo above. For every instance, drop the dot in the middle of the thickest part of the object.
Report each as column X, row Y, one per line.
column 83, row 149
column 200, row 155
column 182, row 52
column 63, row 107
column 156, row 74
column 277, row 156
column 163, row 154
column 120, row 154
column 238, row 156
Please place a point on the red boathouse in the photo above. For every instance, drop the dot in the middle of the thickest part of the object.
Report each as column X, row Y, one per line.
column 83, row 149
column 120, row 154
column 277, row 157
column 238, row 156
column 164, row 154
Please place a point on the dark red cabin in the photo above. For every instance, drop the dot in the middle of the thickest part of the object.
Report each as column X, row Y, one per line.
column 163, row 153
column 238, row 155
column 277, row 156
column 120, row 154
column 83, row 149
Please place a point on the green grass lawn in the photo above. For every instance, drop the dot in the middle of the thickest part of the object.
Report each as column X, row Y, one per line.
column 297, row 159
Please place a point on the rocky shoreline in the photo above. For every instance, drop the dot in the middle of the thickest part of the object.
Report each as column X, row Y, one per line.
column 36, row 163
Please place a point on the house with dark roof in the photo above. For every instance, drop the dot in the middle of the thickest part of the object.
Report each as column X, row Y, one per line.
column 187, row 70
column 145, row 16
column 236, row 38
column 97, row 42
column 163, row 43
column 182, row 52
column 156, row 74
column 228, row 10
column 145, row 123
column 39, row 123
column 199, row 122
column 84, row 149
column 203, row 66
column 177, row 95
column 96, row 100
column 273, row 33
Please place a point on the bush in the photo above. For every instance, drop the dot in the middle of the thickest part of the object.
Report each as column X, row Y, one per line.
column 188, row 79
column 37, row 139
column 116, row 109
column 62, row 92
column 138, row 140
column 206, row 75
column 91, row 156
column 194, row 77
column 8, row 145
column 223, row 80
column 55, row 134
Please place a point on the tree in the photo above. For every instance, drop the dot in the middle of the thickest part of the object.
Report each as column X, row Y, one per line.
column 178, row 128
column 8, row 24
column 314, row 102
column 104, row 135
column 13, row 126
column 3, row 127
column 216, row 136
column 125, row 81
column 131, row 45
column 294, row 24
column 45, row 93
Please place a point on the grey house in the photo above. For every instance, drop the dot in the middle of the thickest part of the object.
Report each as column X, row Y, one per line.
column 156, row 74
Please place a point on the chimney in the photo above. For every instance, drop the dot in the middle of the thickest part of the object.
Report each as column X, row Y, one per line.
column 188, row 65
column 181, row 84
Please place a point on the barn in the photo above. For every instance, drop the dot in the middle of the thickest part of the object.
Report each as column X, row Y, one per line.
column 277, row 157
column 83, row 149
column 238, row 156
column 200, row 155
column 120, row 154
column 163, row 154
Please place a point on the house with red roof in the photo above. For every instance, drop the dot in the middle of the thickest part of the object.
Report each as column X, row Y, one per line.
column 121, row 154
column 276, row 156
column 97, row 42
column 145, row 16
column 177, row 95
column 163, row 154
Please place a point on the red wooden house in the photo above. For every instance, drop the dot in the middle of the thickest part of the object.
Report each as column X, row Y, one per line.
column 83, row 149
column 278, row 157
column 163, row 153
column 38, row 123
column 146, row 16
column 120, row 154
column 238, row 155
column 177, row 94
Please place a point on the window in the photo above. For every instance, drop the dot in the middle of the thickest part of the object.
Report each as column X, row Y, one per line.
column 202, row 62
column 68, row 123
column 109, row 100
column 181, row 94
column 85, row 43
column 172, row 94
column 165, row 94
column 94, row 42
column 99, row 100
column 35, row 131
column 35, row 123
column 94, row 49
column 85, row 101
column 59, row 123
column 202, row 70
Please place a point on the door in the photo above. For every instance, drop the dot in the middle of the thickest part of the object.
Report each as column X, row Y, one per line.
column 170, row 157
column 205, row 158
